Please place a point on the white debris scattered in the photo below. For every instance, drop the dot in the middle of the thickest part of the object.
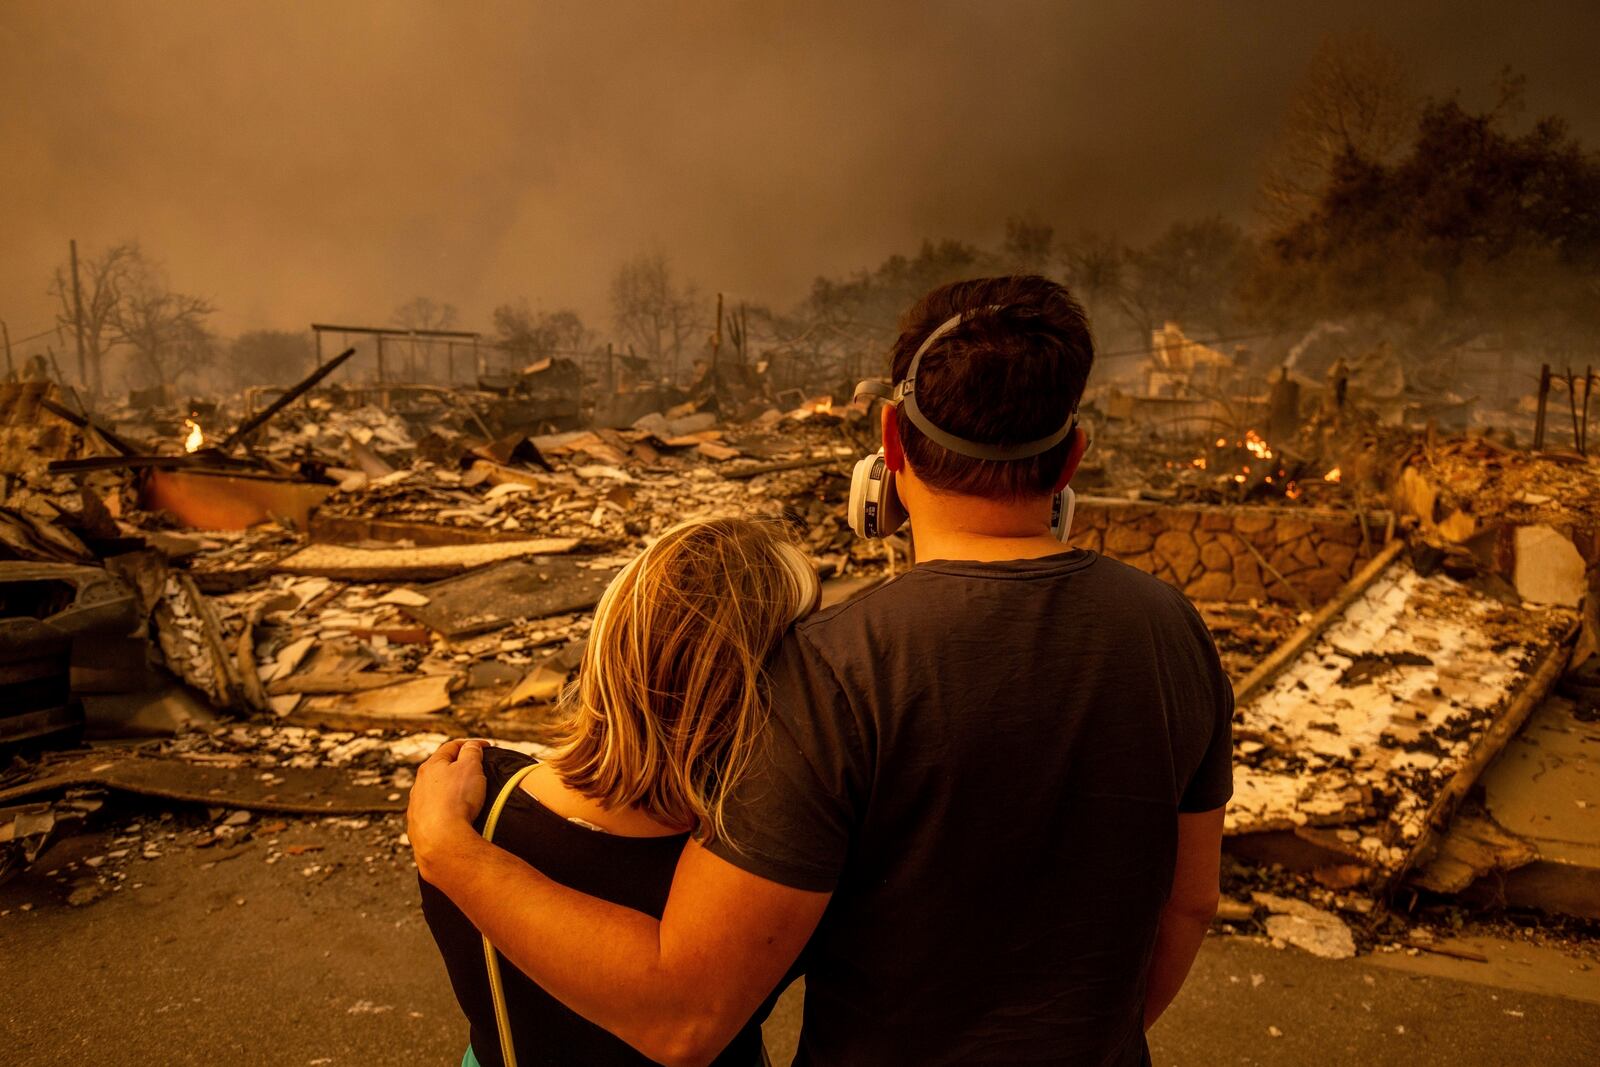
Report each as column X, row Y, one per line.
column 1318, row 932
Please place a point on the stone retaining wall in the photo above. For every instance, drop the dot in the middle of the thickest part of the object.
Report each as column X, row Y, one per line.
column 1206, row 551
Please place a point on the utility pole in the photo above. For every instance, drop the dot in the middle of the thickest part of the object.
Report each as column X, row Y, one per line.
column 60, row 380
column 716, row 342
column 77, row 318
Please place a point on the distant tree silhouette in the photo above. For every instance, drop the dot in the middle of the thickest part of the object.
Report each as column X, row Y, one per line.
column 1474, row 230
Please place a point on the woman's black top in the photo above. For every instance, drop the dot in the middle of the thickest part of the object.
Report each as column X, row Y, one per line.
column 635, row 872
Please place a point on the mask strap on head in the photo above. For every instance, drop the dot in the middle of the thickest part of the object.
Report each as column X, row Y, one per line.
column 904, row 396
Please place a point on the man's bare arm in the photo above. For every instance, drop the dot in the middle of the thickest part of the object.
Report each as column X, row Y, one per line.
column 677, row 989
column 1189, row 909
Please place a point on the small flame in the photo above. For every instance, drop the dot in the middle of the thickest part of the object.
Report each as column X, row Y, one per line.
column 196, row 436
column 1293, row 490
column 1332, row 476
column 1257, row 445
column 823, row 406
column 1199, row 462
column 1222, row 442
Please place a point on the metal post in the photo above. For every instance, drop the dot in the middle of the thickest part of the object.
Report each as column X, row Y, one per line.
column 380, row 359
column 716, row 338
column 1572, row 403
column 1588, row 387
column 11, row 369
column 318, row 335
column 62, row 381
column 77, row 317
column 1544, row 397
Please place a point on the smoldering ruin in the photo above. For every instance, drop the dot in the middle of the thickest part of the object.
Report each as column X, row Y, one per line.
column 250, row 577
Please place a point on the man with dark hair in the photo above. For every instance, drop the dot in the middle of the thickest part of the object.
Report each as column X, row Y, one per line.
column 989, row 793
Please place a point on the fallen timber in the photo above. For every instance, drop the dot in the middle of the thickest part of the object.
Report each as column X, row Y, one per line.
column 1302, row 638
column 1358, row 738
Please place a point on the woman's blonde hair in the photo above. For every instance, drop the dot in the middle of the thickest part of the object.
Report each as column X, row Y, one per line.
column 667, row 702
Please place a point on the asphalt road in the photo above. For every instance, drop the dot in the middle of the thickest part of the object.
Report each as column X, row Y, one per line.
column 215, row 956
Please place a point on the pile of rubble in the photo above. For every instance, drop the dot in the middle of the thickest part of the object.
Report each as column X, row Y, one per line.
column 400, row 578
column 457, row 586
column 1485, row 482
column 1357, row 736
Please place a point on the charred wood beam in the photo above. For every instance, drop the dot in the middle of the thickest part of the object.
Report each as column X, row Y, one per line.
column 392, row 331
column 85, row 422
column 1484, row 751
column 1302, row 638
column 140, row 462
column 253, row 423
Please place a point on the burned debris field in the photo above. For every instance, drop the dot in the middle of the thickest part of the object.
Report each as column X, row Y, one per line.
column 244, row 632
column 266, row 545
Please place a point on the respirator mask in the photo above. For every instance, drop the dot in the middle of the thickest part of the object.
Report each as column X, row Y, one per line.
column 875, row 508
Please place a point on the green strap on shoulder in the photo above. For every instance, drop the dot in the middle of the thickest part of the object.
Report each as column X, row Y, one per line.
column 502, row 1018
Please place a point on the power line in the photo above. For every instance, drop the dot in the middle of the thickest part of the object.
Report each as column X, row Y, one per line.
column 34, row 337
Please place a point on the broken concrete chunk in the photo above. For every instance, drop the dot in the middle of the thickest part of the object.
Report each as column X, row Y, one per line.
column 1549, row 569
column 1318, row 932
column 1475, row 846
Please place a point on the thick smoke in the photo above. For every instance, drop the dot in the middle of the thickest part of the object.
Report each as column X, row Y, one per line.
column 328, row 161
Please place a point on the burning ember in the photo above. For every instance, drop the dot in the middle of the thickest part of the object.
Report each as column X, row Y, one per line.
column 196, row 436
column 1332, row 476
column 1252, row 463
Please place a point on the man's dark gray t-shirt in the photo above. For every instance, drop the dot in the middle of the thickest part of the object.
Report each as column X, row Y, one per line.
column 985, row 763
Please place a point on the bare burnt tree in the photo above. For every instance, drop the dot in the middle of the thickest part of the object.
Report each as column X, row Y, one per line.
column 1481, row 229
column 102, row 279
column 422, row 313
column 269, row 357
column 166, row 331
column 531, row 335
column 1354, row 98
column 1096, row 269
column 1029, row 245
column 1188, row 275
column 653, row 310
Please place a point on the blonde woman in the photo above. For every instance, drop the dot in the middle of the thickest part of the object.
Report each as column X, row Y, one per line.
column 658, row 731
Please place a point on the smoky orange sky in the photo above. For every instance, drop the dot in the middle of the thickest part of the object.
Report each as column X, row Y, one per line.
column 327, row 161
